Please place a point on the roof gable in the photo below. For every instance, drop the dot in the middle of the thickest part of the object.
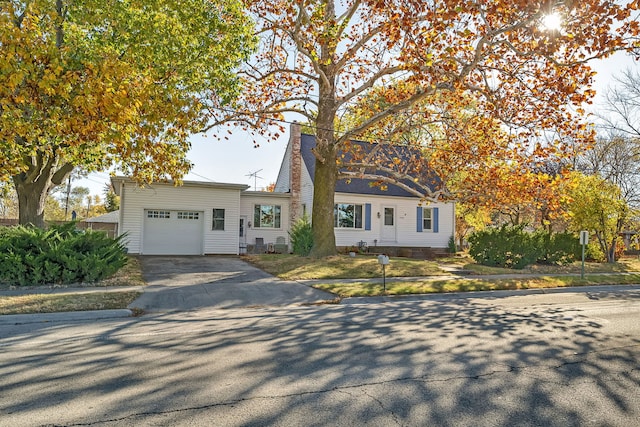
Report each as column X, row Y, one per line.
column 405, row 154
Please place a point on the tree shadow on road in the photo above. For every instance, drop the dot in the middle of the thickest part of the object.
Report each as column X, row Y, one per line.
column 459, row 362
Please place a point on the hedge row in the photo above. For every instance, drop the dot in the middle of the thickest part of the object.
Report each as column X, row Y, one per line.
column 512, row 247
column 58, row 255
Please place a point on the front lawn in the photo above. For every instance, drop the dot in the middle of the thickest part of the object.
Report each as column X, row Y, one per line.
column 56, row 303
column 293, row 267
column 33, row 303
column 624, row 265
column 129, row 275
column 475, row 284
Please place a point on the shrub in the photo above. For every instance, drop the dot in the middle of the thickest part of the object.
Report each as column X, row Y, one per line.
column 557, row 248
column 59, row 255
column 301, row 237
column 451, row 245
column 509, row 247
column 512, row 247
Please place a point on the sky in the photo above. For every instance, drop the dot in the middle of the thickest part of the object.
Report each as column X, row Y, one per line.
column 235, row 160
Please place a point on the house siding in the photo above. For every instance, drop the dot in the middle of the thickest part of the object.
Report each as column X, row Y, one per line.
column 247, row 203
column 166, row 196
column 306, row 191
column 283, row 180
column 405, row 222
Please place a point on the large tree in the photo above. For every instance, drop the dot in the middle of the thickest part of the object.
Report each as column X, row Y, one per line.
column 597, row 205
column 620, row 112
column 320, row 57
column 100, row 83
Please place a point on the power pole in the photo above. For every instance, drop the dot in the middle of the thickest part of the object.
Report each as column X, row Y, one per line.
column 66, row 204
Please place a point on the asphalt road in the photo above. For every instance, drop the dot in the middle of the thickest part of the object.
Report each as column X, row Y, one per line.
column 529, row 360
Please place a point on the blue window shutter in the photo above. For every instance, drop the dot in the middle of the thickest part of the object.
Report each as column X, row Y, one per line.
column 367, row 216
column 435, row 220
column 419, row 215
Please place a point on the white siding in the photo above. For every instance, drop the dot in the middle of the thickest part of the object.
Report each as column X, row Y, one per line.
column 306, row 191
column 249, row 200
column 282, row 182
column 196, row 198
column 405, row 220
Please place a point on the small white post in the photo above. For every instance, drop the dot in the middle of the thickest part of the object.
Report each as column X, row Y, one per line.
column 584, row 241
column 383, row 260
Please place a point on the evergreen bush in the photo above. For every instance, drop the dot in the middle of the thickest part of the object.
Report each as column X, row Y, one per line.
column 59, row 255
column 513, row 247
column 301, row 237
column 557, row 248
column 508, row 247
column 451, row 245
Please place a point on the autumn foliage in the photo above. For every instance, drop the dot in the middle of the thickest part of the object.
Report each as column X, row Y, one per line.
column 100, row 83
column 525, row 84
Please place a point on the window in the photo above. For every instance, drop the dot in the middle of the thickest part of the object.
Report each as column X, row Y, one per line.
column 427, row 219
column 388, row 216
column 266, row 216
column 427, row 222
column 347, row 216
column 218, row 220
column 189, row 215
column 159, row 214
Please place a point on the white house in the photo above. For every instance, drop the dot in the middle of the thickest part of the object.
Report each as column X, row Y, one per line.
column 391, row 218
column 200, row 218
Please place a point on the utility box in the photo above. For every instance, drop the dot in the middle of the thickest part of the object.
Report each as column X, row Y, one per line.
column 383, row 259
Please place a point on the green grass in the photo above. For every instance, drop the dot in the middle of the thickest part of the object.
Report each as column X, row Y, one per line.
column 625, row 265
column 293, row 267
column 55, row 303
column 475, row 284
column 33, row 303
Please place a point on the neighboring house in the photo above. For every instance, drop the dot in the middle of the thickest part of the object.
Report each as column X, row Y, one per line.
column 218, row 218
column 387, row 219
column 106, row 222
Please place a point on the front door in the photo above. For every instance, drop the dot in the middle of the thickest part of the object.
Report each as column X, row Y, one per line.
column 388, row 224
column 243, row 235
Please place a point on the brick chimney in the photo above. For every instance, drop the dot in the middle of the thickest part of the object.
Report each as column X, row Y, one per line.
column 295, row 173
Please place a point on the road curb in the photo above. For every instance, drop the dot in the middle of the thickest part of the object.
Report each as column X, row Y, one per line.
column 71, row 316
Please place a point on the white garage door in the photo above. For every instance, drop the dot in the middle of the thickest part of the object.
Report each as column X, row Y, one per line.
column 172, row 232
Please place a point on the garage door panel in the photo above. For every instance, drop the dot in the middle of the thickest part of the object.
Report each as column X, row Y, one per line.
column 172, row 232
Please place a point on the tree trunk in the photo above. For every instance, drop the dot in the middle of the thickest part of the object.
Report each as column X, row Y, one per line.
column 326, row 150
column 611, row 255
column 31, row 199
column 33, row 186
column 324, row 187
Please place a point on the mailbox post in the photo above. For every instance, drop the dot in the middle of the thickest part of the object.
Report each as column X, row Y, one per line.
column 584, row 241
column 383, row 260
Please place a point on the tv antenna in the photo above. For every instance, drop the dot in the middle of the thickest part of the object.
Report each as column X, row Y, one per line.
column 255, row 177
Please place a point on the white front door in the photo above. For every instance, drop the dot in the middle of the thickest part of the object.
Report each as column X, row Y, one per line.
column 388, row 224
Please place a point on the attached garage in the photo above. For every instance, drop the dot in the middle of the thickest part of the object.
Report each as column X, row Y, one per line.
column 196, row 218
column 173, row 232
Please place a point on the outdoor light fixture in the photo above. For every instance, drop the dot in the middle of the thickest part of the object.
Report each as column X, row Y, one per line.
column 378, row 214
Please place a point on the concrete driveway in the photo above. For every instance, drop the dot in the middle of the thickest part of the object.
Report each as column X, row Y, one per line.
column 180, row 283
